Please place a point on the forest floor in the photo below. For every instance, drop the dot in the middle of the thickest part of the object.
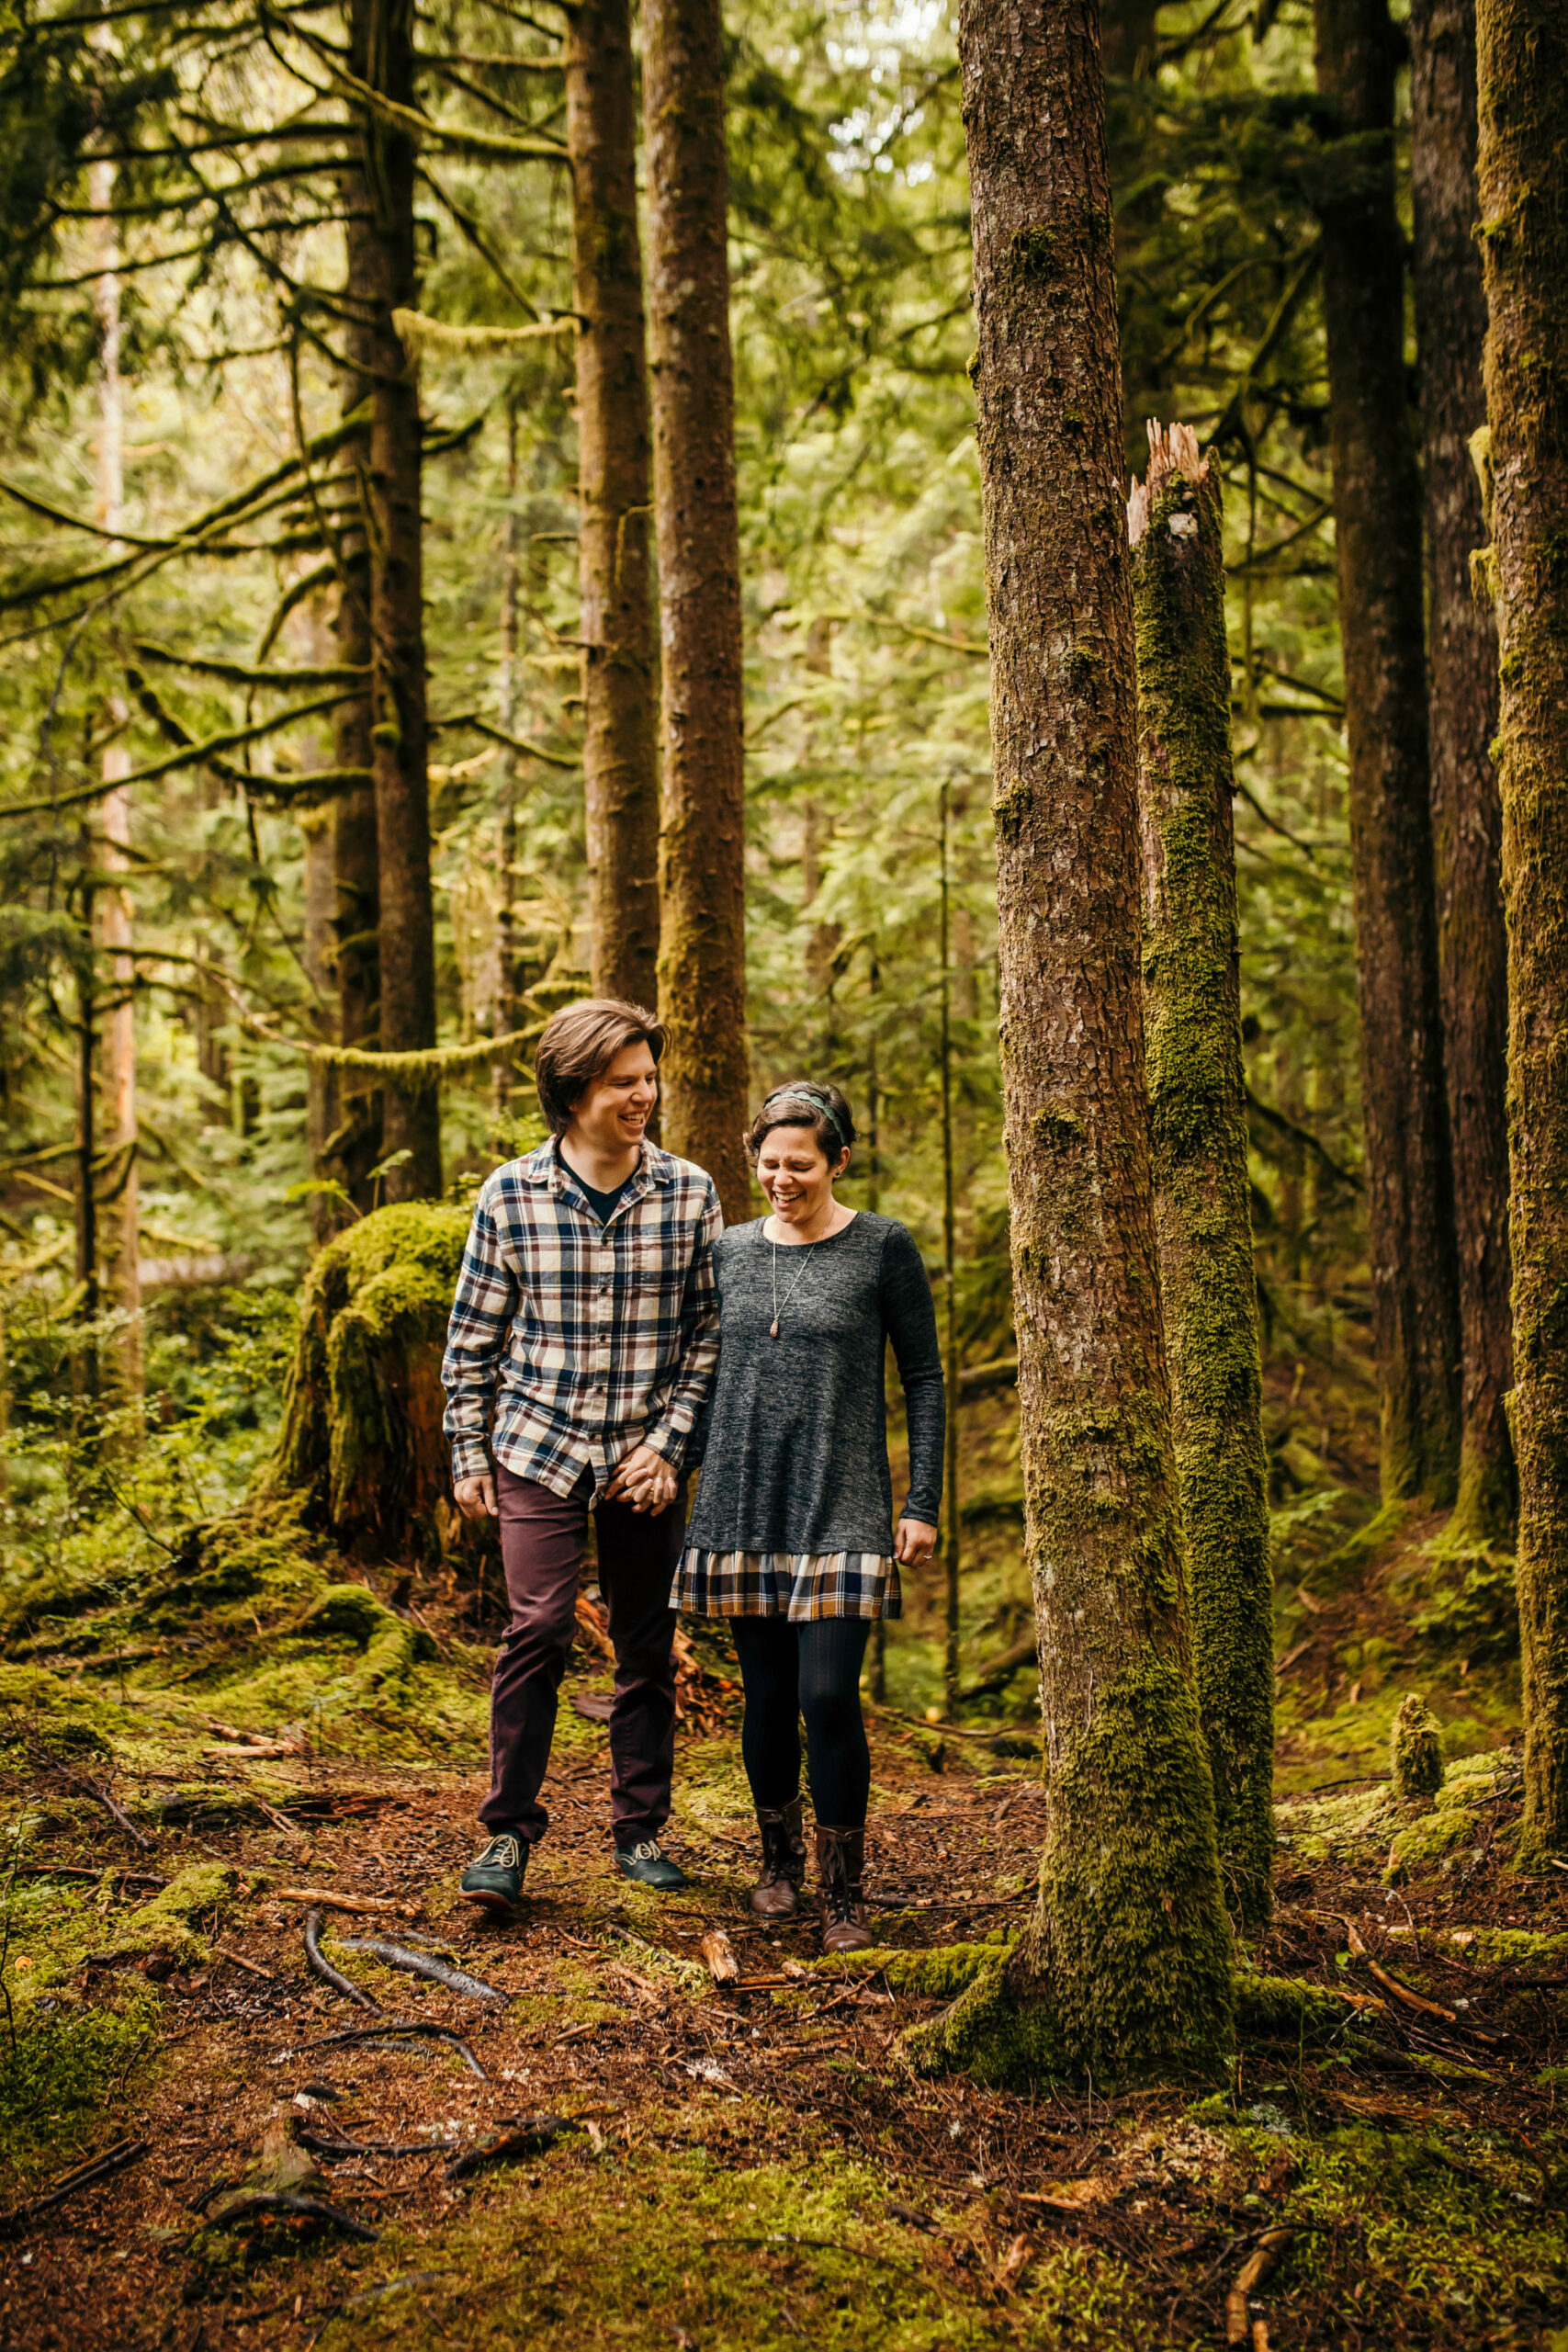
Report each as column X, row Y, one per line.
column 683, row 2163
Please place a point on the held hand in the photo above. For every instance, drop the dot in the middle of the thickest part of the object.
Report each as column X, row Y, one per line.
column 476, row 1497
column 644, row 1479
column 915, row 1541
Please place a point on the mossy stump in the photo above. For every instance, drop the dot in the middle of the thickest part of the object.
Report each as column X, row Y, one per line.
column 1415, row 1751
column 361, row 1439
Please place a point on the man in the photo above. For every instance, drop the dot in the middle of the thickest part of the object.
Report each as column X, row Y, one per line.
column 582, row 1347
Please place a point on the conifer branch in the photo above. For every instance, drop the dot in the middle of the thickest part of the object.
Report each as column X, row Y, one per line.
column 249, row 673
column 498, row 735
column 421, row 334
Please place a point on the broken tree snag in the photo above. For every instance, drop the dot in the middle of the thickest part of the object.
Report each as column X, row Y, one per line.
column 1124, row 1972
column 1377, row 507
column 361, row 1436
column 719, row 1953
column 383, row 57
column 1467, row 815
column 620, row 760
column 1248, row 2278
column 1198, row 1120
column 702, row 942
column 1522, row 52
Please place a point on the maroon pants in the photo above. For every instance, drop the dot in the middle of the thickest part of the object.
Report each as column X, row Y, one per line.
column 542, row 1536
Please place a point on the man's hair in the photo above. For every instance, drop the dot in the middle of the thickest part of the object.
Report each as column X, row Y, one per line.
column 579, row 1044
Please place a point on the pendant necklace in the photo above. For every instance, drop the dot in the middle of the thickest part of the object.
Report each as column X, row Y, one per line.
column 806, row 1253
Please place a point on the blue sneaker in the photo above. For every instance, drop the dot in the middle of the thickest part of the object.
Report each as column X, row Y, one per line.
column 494, row 1877
column 648, row 1865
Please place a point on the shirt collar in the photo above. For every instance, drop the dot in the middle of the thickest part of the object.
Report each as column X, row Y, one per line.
column 546, row 1167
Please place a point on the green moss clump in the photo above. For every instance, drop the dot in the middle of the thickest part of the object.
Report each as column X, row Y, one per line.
column 1415, row 1751
column 1285, row 2007
column 1428, row 1842
column 62, row 2071
column 1004, row 2034
column 941, row 1973
column 173, row 1921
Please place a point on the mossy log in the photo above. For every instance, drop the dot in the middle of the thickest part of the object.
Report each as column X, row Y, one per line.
column 361, row 1439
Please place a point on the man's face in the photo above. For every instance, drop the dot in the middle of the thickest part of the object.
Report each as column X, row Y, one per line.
column 613, row 1109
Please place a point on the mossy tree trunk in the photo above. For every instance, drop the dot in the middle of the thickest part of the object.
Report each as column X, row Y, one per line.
column 381, row 46
column 620, row 753
column 354, row 1143
column 1467, row 817
column 1522, row 52
column 1198, row 1107
column 702, row 947
column 1377, row 506
column 1126, row 1970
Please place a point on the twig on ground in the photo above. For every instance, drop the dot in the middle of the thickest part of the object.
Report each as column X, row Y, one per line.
column 719, row 1954
column 1248, row 2278
column 322, row 1967
column 414, row 1964
column 527, row 2135
column 99, row 1793
column 393, row 2027
column 322, row 1898
column 253, row 1966
column 129, row 2152
column 280, row 2200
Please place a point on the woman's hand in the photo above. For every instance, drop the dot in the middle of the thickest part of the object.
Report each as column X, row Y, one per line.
column 644, row 1479
column 915, row 1541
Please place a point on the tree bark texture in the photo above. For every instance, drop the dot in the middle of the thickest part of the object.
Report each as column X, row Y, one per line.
column 122, row 1228
column 355, row 1140
column 1467, row 817
column 1377, row 506
column 1522, row 54
column 702, row 948
column 1125, row 1971
column 620, row 748
column 382, row 47
column 1198, row 1114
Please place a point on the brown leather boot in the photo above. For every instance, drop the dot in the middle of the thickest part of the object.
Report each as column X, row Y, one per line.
column 776, row 1894
column 841, row 1863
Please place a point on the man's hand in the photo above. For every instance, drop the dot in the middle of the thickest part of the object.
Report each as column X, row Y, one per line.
column 644, row 1479
column 914, row 1541
column 476, row 1497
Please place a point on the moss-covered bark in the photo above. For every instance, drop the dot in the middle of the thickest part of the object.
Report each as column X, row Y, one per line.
column 361, row 1438
column 1377, row 508
column 619, row 756
column 1467, row 816
column 1522, row 51
column 1126, row 1968
column 702, row 947
column 381, row 48
column 1198, row 1107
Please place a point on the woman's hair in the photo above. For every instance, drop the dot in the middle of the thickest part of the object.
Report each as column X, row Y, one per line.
column 802, row 1105
column 578, row 1046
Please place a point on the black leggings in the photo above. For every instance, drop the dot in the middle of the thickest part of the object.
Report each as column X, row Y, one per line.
column 811, row 1670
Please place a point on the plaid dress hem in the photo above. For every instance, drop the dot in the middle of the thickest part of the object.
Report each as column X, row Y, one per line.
column 801, row 1585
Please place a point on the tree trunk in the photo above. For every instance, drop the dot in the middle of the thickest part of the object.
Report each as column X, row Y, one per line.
column 1467, row 819
column 619, row 755
column 382, row 46
column 122, row 1257
column 1124, row 1972
column 356, row 1141
column 1198, row 1110
column 1522, row 49
column 1377, row 505
column 702, row 950
column 509, row 698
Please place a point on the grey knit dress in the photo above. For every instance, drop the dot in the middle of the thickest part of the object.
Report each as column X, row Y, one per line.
column 793, row 1514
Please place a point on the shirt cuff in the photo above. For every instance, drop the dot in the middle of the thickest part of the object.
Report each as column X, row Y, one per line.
column 471, row 1459
column 670, row 1444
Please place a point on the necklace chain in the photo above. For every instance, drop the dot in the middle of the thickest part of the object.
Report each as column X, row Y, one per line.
column 773, row 1328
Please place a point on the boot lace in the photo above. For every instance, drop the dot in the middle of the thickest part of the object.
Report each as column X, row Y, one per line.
column 501, row 1854
column 838, row 1894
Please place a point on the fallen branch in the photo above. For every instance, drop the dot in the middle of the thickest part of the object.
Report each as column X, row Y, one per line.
column 1248, row 2278
column 129, row 2152
column 322, row 1967
column 253, row 1966
column 529, row 2135
column 391, row 2028
column 376, row 1906
column 282, row 2200
column 100, row 1795
column 414, row 1964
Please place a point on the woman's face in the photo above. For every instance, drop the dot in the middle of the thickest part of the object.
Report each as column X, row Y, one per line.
column 796, row 1174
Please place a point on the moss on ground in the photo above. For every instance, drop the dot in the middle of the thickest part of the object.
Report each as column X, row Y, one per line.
column 61, row 2071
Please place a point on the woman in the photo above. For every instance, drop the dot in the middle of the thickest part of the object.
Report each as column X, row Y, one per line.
column 792, row 1539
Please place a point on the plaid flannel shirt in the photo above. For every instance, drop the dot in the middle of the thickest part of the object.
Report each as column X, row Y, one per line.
column 571, row 1342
